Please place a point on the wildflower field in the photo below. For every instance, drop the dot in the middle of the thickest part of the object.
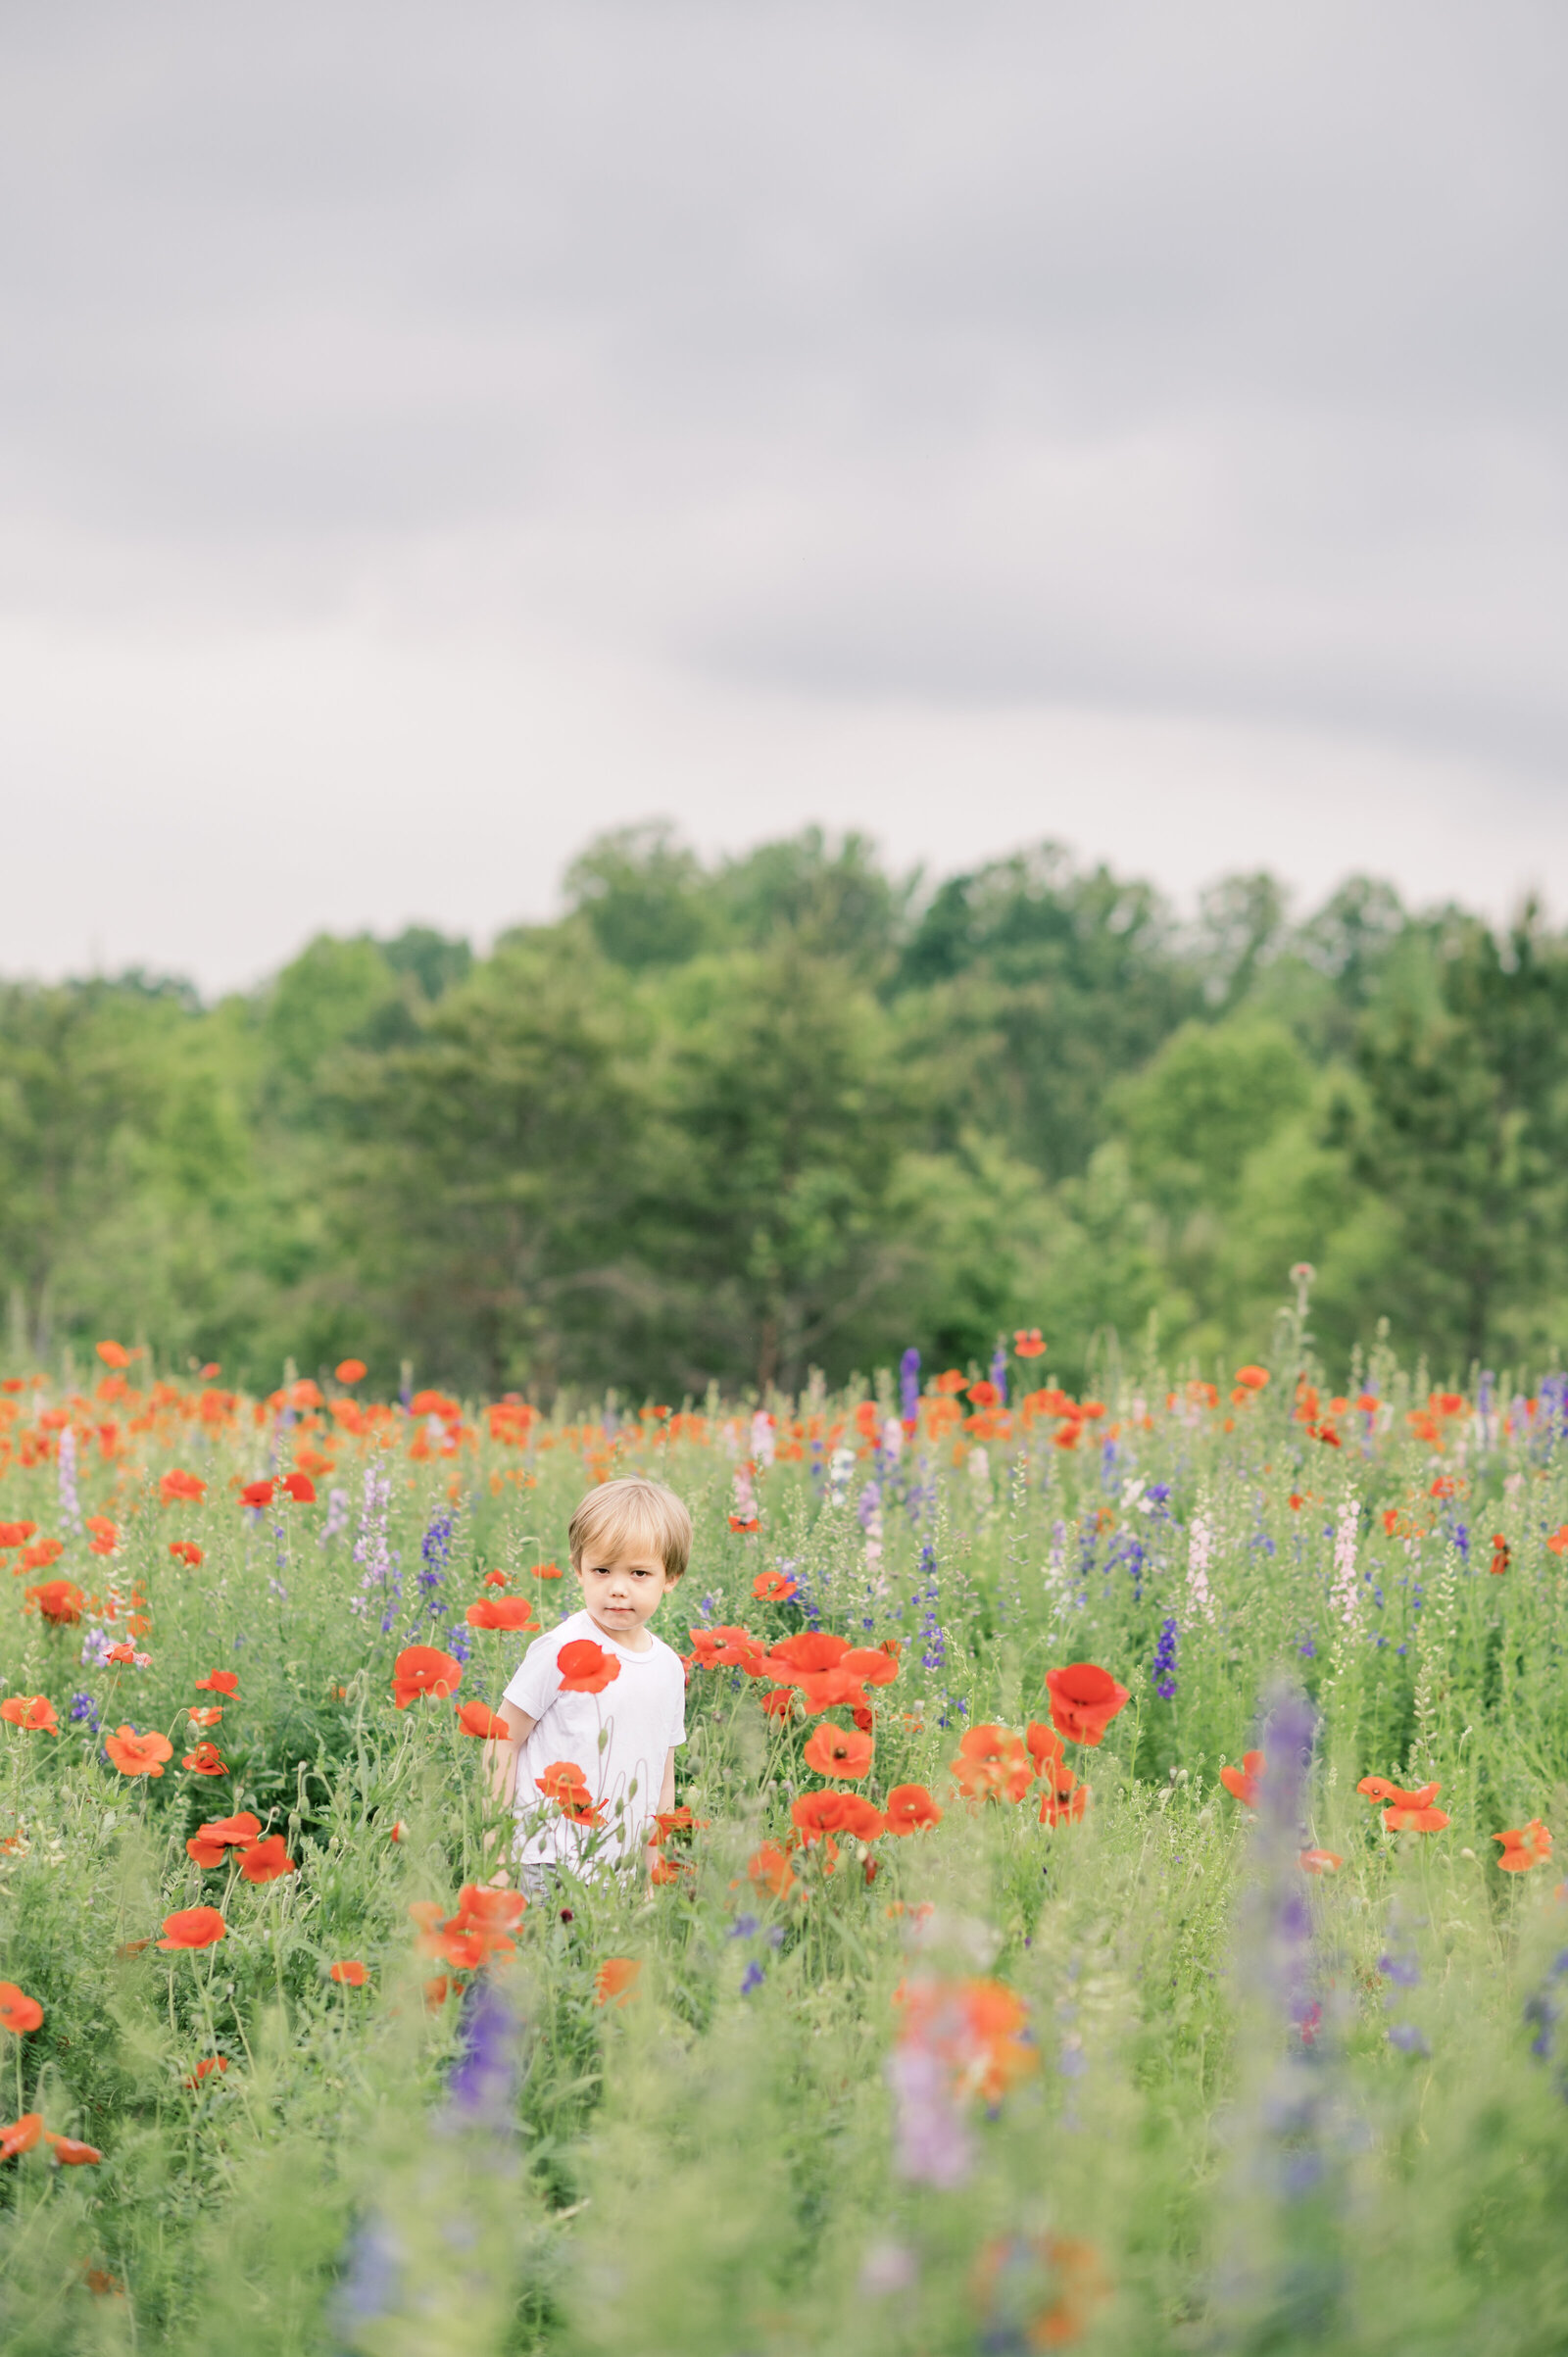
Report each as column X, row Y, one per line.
column 1109, row 1901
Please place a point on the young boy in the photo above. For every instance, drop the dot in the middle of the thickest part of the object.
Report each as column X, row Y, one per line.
column 630, row 1542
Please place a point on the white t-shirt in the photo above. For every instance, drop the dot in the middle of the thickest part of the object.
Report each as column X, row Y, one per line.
column 645, row 1712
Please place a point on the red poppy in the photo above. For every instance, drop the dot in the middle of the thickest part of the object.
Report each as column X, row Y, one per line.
column 18, row 2011
column 301, row 1488
column 772, row 1587
column 176, row 1486
column 727, row 1648
column 423, row 1669
column 985, row 1395
column 59, row 1601
column 859, row 1817
column 1252, row 1379
column 779, row 1704
column 120, row 1652
column 136, row 1755
column 978, row 2026
column 1027, row 1343
column 193, row 1928
column 829, row 1689
column 212, row 1716
column 1083, row 1699
column 478, row 1718
column 220, row 1682
column 436, row 1993
column 675, row 1820
column 546, row 1571
column 40, row 1559
column 615, row 1979
column 16, row 1534
column 1041, row 1742
column 206, row 1760
column 740, row 1522
column 105, row 1535
column 1524, row 1846
column 205, row 2068
column 1418, row 1819
column 770, row 1869
column 240, row 1829
column 1405, row 1812
column 991, row 1764
column 810, row 1653
column 258, row 1492
column 20, row 2136
column 585, row 1667
column 1244, row 1781
column 949, row 1382
column 1321, row 1861
column 871, row 1665
column 1065, row 1799
column 481, row 1907
column 71, row 2152
column 33, row 1711
column 266, row 1861
column 501, row 1612
column 114, row 1354
column 909, row 1808
column 349, row 1975
column 349, row 1371
column 1501, row 1556
column 185, row 1550
column 818, row 1813
column 1038, row 2290
column 561, row 1776
column 839, row 1751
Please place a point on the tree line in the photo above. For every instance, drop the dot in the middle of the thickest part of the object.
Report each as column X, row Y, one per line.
column 732, row 1121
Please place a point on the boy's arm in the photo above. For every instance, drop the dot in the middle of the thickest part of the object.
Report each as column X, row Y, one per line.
column 503, row 1753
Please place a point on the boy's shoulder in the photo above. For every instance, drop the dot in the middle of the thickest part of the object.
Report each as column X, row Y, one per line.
column 550, row 1640
column 668, row 1655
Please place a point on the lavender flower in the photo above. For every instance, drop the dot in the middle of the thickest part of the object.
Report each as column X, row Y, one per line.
column 932, row 2146
column 999, row 1371
column 482, row 2087
column 909, row 1384
column 1200, row 1555
column 1163, row 1672
column 935, row 1652
column 70, row 1504
column 83, row 1706
column 377, row 1565
column 337, row 1515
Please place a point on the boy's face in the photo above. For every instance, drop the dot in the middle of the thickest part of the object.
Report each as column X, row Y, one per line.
column 622, row 1591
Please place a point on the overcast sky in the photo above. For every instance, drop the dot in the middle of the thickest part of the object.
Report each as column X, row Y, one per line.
column 431, row 435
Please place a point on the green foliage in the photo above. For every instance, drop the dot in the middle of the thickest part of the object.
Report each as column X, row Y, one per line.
column 1195, row 2149
column 730, row 1122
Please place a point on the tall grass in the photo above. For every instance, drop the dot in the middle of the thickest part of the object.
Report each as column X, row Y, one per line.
column 1241, row 2106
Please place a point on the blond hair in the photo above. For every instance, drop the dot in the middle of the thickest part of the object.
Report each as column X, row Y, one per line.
column 621, row 1513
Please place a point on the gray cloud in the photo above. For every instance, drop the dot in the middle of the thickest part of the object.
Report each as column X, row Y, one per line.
column 1202, row 362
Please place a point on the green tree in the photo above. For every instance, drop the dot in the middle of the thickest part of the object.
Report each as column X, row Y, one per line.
column 1466, row 1139
column 1026, row 989
column 487, row 1172
column 786, row 1110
